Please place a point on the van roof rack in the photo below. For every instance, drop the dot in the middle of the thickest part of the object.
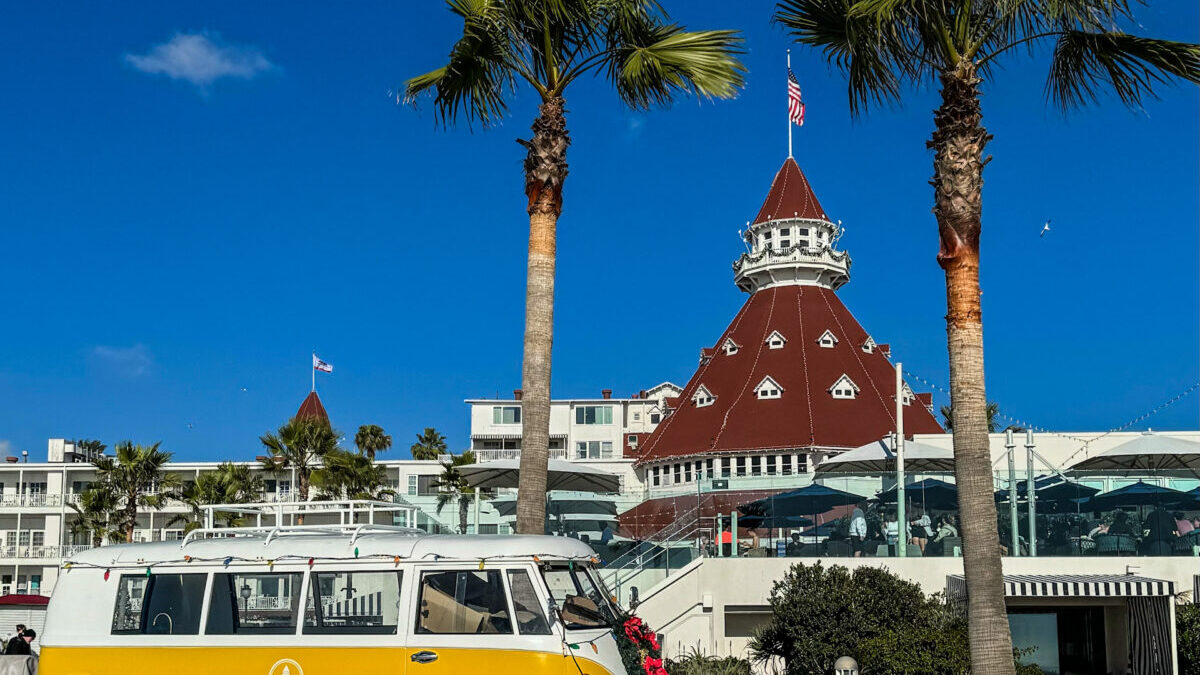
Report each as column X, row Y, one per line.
column 274, row 531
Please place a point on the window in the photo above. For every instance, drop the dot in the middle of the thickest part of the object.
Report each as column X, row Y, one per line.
column 678, row 473
column 593, row 450
column 591, row 607
column 784, row 244
column 256, row 604
column 869, row 346
column 353, row 603
column 654, row 478
column 687, row 472
column 768, row 388
column 506, row 414
column 531, row 618
column 827, row 340
column 412, row 484
column 770, row 465
column 801, row 463
column 699, row 470
column 703, row 397
column 462, row 602
column 802, row 231
column 708, row 463
column 906, row 395
column 783, row 232
column 776, row 340
column 655, row 418
column 741, row 466
column 725, row 467
column 161, row 604
column 593, row 414
column 632, row 438
column 730, row 347
column 787, row 465
column 844, row 388
column 755, row 465
column 637, row 417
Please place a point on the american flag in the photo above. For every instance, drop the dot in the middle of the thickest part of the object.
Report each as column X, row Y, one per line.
column 795, row 104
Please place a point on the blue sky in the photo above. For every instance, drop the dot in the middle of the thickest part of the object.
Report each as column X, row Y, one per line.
column 198, row 194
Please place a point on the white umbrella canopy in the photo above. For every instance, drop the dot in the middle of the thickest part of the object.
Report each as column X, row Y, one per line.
column 560, row 475
column 1147, row 452
column 880, row 457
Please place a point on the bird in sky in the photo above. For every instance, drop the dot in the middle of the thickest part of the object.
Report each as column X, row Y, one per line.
column 1045, row 229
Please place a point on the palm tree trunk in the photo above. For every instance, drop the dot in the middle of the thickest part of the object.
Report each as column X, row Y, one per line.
column 958, row 142
column 463, row 502
column 545, row 170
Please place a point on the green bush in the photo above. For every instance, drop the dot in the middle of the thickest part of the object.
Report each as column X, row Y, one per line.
column 884, row 622
column 1187, row 628
column 696, row 662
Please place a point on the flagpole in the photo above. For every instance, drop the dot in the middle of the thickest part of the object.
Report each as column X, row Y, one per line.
column 789, row 122
column 314, row 374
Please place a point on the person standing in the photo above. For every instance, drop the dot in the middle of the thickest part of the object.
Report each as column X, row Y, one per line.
column 858, row 530
column 17, row 645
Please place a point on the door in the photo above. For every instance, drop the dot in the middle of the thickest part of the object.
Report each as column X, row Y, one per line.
column 467, row 620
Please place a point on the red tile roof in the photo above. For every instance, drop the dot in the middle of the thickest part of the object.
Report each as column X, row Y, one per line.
column 312, row 407
column 790, row 196
column 806, row 414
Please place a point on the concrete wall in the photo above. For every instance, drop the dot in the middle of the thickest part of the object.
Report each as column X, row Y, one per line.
column 690, row 607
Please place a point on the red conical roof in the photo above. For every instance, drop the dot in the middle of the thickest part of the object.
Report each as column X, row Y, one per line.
column 312, row 408
column 806, row 414
column 790, row 197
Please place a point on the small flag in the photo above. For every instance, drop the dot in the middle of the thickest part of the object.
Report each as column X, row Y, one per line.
column 320, row 365
column 795, row 104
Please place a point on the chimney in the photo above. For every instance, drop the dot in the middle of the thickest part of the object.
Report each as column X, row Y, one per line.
column 606, row 393
column 642, row 394
column 517, row 394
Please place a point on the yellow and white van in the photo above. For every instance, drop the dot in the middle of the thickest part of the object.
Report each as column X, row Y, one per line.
column 361, row 599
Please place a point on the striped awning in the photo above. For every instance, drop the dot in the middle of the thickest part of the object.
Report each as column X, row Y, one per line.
column 1071, row 586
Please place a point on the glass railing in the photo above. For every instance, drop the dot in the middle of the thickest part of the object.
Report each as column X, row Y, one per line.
column 845, row 515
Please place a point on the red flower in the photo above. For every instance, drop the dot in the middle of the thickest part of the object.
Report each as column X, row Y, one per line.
column 653, row 666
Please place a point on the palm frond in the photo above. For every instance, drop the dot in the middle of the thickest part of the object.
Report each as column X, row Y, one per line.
column 654, row 62
column 1131, row 65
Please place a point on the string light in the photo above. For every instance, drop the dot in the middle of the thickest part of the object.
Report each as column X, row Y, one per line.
column 228, row 559
column 106, row 574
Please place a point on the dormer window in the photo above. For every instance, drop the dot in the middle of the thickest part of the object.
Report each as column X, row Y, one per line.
column 768, row 388
column 906, row 395
column 730, row 347
column 869, row 346
column 703, row 397
column 776, row 340
column 827, row 340
column 844, row 388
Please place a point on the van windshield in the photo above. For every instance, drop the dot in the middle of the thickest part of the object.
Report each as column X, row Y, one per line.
column 581, row 602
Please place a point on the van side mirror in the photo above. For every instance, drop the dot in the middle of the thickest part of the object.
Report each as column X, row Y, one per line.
column 633, row 598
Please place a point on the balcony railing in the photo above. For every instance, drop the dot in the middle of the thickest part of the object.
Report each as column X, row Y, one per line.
column 30, row 500
column 496, row 455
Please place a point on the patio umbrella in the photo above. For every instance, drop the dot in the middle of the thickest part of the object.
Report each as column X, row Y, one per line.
column 560, row 475
column 880, row 457
column 1148, row 452
column 772, row 522
column 930, row 493
column 822, row 530
column 597, row 506
column 808, row 500
column 1139, row 494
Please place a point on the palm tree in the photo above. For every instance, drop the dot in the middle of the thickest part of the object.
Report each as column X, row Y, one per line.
column 229, row 484
column 299, row 446
column 96, row 513
column 548, row 44
column 453, row 487
column 371, row 439
column 993, row 409
column 881, row 45
column 87, row 445
column 429, row 445
column 348, row 475
column 135, row 481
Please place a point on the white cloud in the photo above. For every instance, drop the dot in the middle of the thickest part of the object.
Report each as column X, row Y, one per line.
column 6, row 448
column 132, row 361
column 199, row 59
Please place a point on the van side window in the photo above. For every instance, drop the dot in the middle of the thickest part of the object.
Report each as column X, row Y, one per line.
column 353, row 603
column 462, row 602
column 162, row 604
column 531, row 618
column 258, row 604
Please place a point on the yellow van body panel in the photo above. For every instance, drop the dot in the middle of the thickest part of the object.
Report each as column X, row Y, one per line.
column 130, row 660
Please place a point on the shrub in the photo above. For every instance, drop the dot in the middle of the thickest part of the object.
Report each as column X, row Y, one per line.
column 1187, row 627
column 696, row 662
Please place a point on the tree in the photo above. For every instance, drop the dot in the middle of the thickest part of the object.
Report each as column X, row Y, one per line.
column 348, row 475
column 371, row 439
column 95, row 515
column 429, row 445
column 229, row 484
column 453, row 487
column 993, row 410
column 134, row 481
column 86, row 445
column 881, row 45
column 299, row 445
column 548, row 44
